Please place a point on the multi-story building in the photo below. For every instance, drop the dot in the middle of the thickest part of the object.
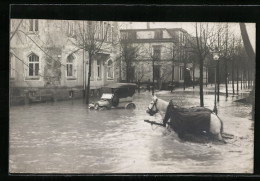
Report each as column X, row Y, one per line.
column 169, row 48
column 47, row 57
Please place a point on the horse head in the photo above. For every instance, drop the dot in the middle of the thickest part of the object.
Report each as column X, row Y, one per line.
column 152, row 108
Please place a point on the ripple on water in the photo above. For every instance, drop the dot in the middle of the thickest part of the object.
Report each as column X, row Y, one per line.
column 67, row 137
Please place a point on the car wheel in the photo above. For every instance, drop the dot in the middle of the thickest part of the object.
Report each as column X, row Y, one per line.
column 96, row 106
column 130, row 106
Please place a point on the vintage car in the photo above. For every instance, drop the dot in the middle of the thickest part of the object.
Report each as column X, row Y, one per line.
column 116, row 95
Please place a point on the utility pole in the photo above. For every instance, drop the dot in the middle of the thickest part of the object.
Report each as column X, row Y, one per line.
column 184, row 71
column 172, row 70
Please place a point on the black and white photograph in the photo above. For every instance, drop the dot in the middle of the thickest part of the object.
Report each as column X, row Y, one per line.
column 119, row 97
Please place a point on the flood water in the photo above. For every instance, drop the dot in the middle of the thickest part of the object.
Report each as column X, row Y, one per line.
column 66, row 137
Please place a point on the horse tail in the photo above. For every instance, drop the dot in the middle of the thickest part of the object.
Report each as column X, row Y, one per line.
column 221, row 122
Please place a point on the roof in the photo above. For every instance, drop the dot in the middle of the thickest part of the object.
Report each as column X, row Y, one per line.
column 150, row 29
column 153, row 29
column 121, row 85
column 176, row 29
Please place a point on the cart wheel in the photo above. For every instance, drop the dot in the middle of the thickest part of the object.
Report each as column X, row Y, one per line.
column 130, row 106
column 96, row 106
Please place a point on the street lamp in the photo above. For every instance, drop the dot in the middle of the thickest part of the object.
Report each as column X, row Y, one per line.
column 216, row 58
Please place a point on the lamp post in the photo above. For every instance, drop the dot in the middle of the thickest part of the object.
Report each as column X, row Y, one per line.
column 172, row 70
column 216, row 58
column 183, row 57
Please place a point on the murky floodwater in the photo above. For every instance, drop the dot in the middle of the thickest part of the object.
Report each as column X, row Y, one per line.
column 66, row 137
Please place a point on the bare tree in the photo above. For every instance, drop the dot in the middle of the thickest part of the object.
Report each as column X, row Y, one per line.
column 17, row 27
column 52, row 73
column 152, row 53
column 129, row 54
column 91, row 37
column 251, row 55
column 204, row 42
column 140, row 73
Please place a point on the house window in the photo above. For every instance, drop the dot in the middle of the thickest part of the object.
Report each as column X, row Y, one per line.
column 110, row 70
column 98, row 92
column 157, row 52
column 70, row 61
column 33, row 65
column 89, row 27
column 105, row 30
column 157, row 72
column 101, row 30
column 132, row 35
column 124, row 35
column 12, row 65
column 92, row 70
column 33, row 25
column 158, row 34
column 109, row 33
column 132, row 74
column 112, row 34
column 71, row 94
column 173, row 72
column 181, row 72
column 97, row 30
column 99, row 70
column 70, row 28
column 92, row 93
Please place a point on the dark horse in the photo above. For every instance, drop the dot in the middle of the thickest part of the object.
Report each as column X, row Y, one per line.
column 196, row 120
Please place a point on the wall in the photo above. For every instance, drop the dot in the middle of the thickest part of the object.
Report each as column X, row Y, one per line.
column 52, row 44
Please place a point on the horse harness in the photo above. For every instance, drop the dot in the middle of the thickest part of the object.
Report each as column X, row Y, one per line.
column 151, row 111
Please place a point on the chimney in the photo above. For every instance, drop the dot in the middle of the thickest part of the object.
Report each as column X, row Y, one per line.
column 148, row 25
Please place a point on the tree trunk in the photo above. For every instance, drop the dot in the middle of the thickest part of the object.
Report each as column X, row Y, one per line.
column 218, row 79
column 250, row 53
column 120, row 71
column 248, row 79
column 206, row 76
column 138, row 86
column 84, row 86
column 245, row 78
column 153, row 79
column 233, row 77
column 89, row 74
column 253, row 98
column 184, row 76
column 193, row 76
column 127, row 73
column 237, row 79
column 201, row 83
column 241, row 79
column 226, row 76
column 247, row 44
column 16, row 29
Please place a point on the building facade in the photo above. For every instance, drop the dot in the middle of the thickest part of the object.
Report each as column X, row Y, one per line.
column 167, row 48
column 47, row 57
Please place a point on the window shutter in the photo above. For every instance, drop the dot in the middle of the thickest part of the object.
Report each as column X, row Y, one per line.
column 36, row 25
column 31, row 25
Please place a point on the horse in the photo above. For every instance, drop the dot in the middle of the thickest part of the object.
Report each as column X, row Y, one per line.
column 214, row 124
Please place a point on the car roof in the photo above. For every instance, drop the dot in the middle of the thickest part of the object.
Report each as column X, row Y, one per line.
column 120, row 85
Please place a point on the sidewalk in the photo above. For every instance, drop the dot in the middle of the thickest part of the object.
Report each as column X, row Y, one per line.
column 209, row 88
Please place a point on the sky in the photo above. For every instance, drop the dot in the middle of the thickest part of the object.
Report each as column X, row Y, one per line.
column 190, row 27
